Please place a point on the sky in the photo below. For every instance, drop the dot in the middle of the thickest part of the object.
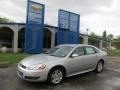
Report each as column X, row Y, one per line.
column 97, row 15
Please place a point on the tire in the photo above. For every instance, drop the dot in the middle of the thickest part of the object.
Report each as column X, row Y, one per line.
column 99, row 67
column 56, row 76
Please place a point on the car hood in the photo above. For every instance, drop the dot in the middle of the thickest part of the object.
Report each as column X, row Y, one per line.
column 38, row 59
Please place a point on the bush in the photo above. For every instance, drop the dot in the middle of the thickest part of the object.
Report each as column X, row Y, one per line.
column 114, row 52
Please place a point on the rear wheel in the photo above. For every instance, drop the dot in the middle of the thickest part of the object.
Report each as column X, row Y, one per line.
column 99, row 67
column 56, row 76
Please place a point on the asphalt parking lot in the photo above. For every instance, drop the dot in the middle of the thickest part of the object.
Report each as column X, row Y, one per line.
column 109, row 79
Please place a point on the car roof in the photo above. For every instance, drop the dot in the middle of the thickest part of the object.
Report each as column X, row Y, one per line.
column 75, row 45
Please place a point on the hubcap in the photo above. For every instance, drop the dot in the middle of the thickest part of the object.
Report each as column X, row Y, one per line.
column 57, row 76
column 100, row 67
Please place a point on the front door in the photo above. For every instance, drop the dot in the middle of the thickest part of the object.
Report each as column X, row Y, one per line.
column 76, row 61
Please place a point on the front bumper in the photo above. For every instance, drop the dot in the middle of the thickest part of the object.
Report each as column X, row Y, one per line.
column 32, row 75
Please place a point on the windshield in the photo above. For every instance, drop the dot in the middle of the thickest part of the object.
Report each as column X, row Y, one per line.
column 61, row 51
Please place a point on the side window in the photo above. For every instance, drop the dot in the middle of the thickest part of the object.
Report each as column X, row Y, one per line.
column 90, row 50
column 79, row 51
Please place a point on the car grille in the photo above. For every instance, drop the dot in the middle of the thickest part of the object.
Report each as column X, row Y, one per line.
column 32, row 78
column 23, row 66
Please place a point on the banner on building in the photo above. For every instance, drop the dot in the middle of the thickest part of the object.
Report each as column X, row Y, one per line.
column 68, row 27
column 34, row 27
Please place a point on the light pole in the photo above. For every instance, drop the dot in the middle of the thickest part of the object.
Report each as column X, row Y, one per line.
column 87, row 30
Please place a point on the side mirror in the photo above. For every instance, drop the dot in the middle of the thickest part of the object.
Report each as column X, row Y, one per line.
column 74, row 55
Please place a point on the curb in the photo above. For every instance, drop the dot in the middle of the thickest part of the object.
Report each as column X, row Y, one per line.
column 5, row 64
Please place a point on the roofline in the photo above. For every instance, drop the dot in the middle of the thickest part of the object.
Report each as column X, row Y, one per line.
column 13, row 23
column 46, row 25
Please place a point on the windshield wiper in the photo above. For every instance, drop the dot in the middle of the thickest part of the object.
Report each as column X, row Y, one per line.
column 51, row 55
column 55, row 55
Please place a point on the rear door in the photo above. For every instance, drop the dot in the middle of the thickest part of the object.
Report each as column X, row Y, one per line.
column 90, row 57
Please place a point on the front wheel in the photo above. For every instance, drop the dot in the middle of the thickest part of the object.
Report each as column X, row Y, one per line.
column 99, row 67
column 56, row 76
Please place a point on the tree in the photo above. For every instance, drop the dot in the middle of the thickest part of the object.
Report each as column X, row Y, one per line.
column 117, row 42
column 118, row 37
column 110, row 36
column 104, row 34
column 4, row 20
column 93, row 34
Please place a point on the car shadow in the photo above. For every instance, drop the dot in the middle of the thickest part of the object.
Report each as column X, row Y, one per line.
column 76, row 80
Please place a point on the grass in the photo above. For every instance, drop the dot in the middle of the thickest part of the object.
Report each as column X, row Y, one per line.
column 114, row 52
column 12, row 57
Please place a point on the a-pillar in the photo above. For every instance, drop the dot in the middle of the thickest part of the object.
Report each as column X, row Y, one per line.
column 101, row 44
column 85, row 39
column 15, row 39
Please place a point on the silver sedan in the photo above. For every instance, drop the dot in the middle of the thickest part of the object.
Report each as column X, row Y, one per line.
column 60, row 62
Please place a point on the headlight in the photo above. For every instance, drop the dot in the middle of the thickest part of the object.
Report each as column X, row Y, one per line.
column 37, row 67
